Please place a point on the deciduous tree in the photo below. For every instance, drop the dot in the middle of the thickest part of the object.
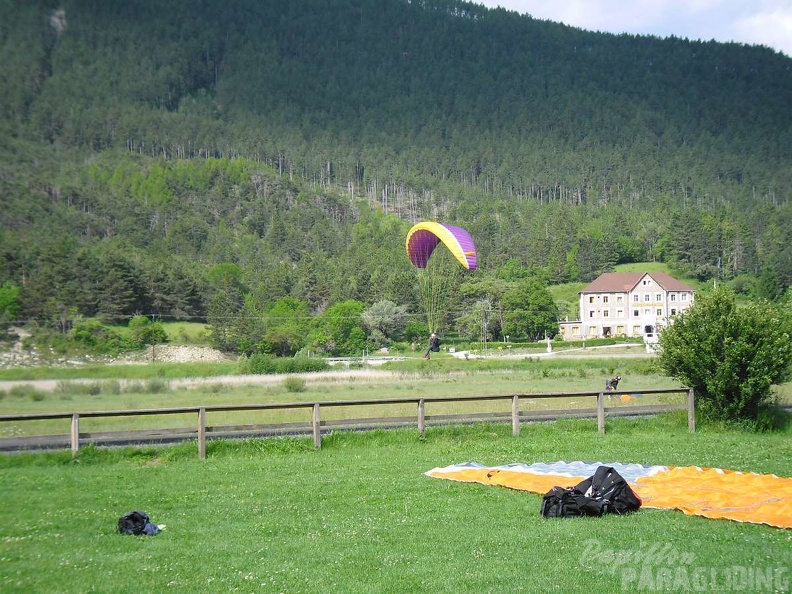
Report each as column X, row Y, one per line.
column 731, row 356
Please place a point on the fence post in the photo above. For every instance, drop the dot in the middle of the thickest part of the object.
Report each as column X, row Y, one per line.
column 317, row 432
column 515, row 415
column 691, row 411
column 75, row 434
column 202, row 433
column 601, row 412
column 422, row 418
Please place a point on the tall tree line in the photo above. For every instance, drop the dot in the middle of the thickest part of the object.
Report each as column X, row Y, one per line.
column 148, row 143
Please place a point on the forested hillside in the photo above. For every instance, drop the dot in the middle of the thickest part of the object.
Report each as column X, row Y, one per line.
column 169, row 158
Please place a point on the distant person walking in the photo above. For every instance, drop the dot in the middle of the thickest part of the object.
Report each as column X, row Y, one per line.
column 434, row 346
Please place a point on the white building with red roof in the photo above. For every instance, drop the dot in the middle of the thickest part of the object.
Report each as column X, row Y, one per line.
column 619, row 304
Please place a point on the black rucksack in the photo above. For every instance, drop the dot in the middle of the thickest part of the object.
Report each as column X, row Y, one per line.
column 137, row 523
column 606, row 492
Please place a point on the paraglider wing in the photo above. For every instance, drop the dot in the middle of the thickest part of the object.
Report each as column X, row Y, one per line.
column 424, row 237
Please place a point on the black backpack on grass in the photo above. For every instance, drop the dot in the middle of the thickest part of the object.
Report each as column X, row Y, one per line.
column 606, row 492
column 137, row 523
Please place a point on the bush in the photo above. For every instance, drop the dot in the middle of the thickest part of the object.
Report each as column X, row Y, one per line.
column 95, row 336
column 145, row 332
column 156, row 386
column 731, row 356
column 294, row 384
column 257, row 364
column 772, row 418
column 23, row 391
column 304, row 365
column 267, row 364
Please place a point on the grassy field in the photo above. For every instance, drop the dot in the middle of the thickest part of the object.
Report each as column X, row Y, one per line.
column 442, row 377
column 146, row 371
column 192, row 333
column 360, row 516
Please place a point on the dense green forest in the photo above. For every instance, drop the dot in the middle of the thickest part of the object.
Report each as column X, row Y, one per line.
column 252, row 160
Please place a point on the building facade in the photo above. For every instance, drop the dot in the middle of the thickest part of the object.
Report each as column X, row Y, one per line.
column 621, row 304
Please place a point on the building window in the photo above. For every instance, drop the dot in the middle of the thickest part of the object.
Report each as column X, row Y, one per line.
column 673, row 296
column 635, row 298
column 647, row 297
column 673, row 312
column 619, row 313
column 591, row 313
column 619, row 299
column 606, row 313
column 684, row 296
column 636, row 313
column 647, row 311
column 636, row 330
column 575, row 330
column 659, row 312
column 658, row 297
column 605, row 299
column 591, row 299
column 619, row 330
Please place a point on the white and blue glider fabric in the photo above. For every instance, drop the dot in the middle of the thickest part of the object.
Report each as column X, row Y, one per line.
column 708, row 492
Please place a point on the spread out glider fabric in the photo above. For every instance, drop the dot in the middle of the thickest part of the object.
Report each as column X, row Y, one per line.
column 721, row 494
column 708, row 492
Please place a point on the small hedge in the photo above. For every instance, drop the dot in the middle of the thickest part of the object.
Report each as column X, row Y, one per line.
column 267, row 364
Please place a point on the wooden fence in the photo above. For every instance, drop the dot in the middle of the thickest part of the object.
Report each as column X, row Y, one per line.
column 314, row 426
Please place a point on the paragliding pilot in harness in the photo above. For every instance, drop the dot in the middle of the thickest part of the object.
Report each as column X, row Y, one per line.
column 612, row 384
column 434, row 345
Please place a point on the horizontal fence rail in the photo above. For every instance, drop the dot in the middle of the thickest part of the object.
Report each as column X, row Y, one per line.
column 313, row 423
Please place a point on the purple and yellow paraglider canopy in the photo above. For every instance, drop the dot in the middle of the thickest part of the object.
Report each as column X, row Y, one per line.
column 424, row 237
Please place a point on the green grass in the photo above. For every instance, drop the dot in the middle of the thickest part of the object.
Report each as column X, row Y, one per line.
column 359, row 515
column 191, row 333
column 659, row 267
column 645, row 267
column 179, row 333
column 440, row 363
column 567, row 292
column 442, row 377
column 112, row 372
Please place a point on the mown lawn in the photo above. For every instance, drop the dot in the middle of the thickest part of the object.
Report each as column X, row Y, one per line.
column 360, row 516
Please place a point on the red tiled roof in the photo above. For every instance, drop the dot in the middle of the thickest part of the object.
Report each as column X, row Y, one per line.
column 624, row 282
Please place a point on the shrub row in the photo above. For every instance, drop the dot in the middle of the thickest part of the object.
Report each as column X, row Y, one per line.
column 267, row 364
